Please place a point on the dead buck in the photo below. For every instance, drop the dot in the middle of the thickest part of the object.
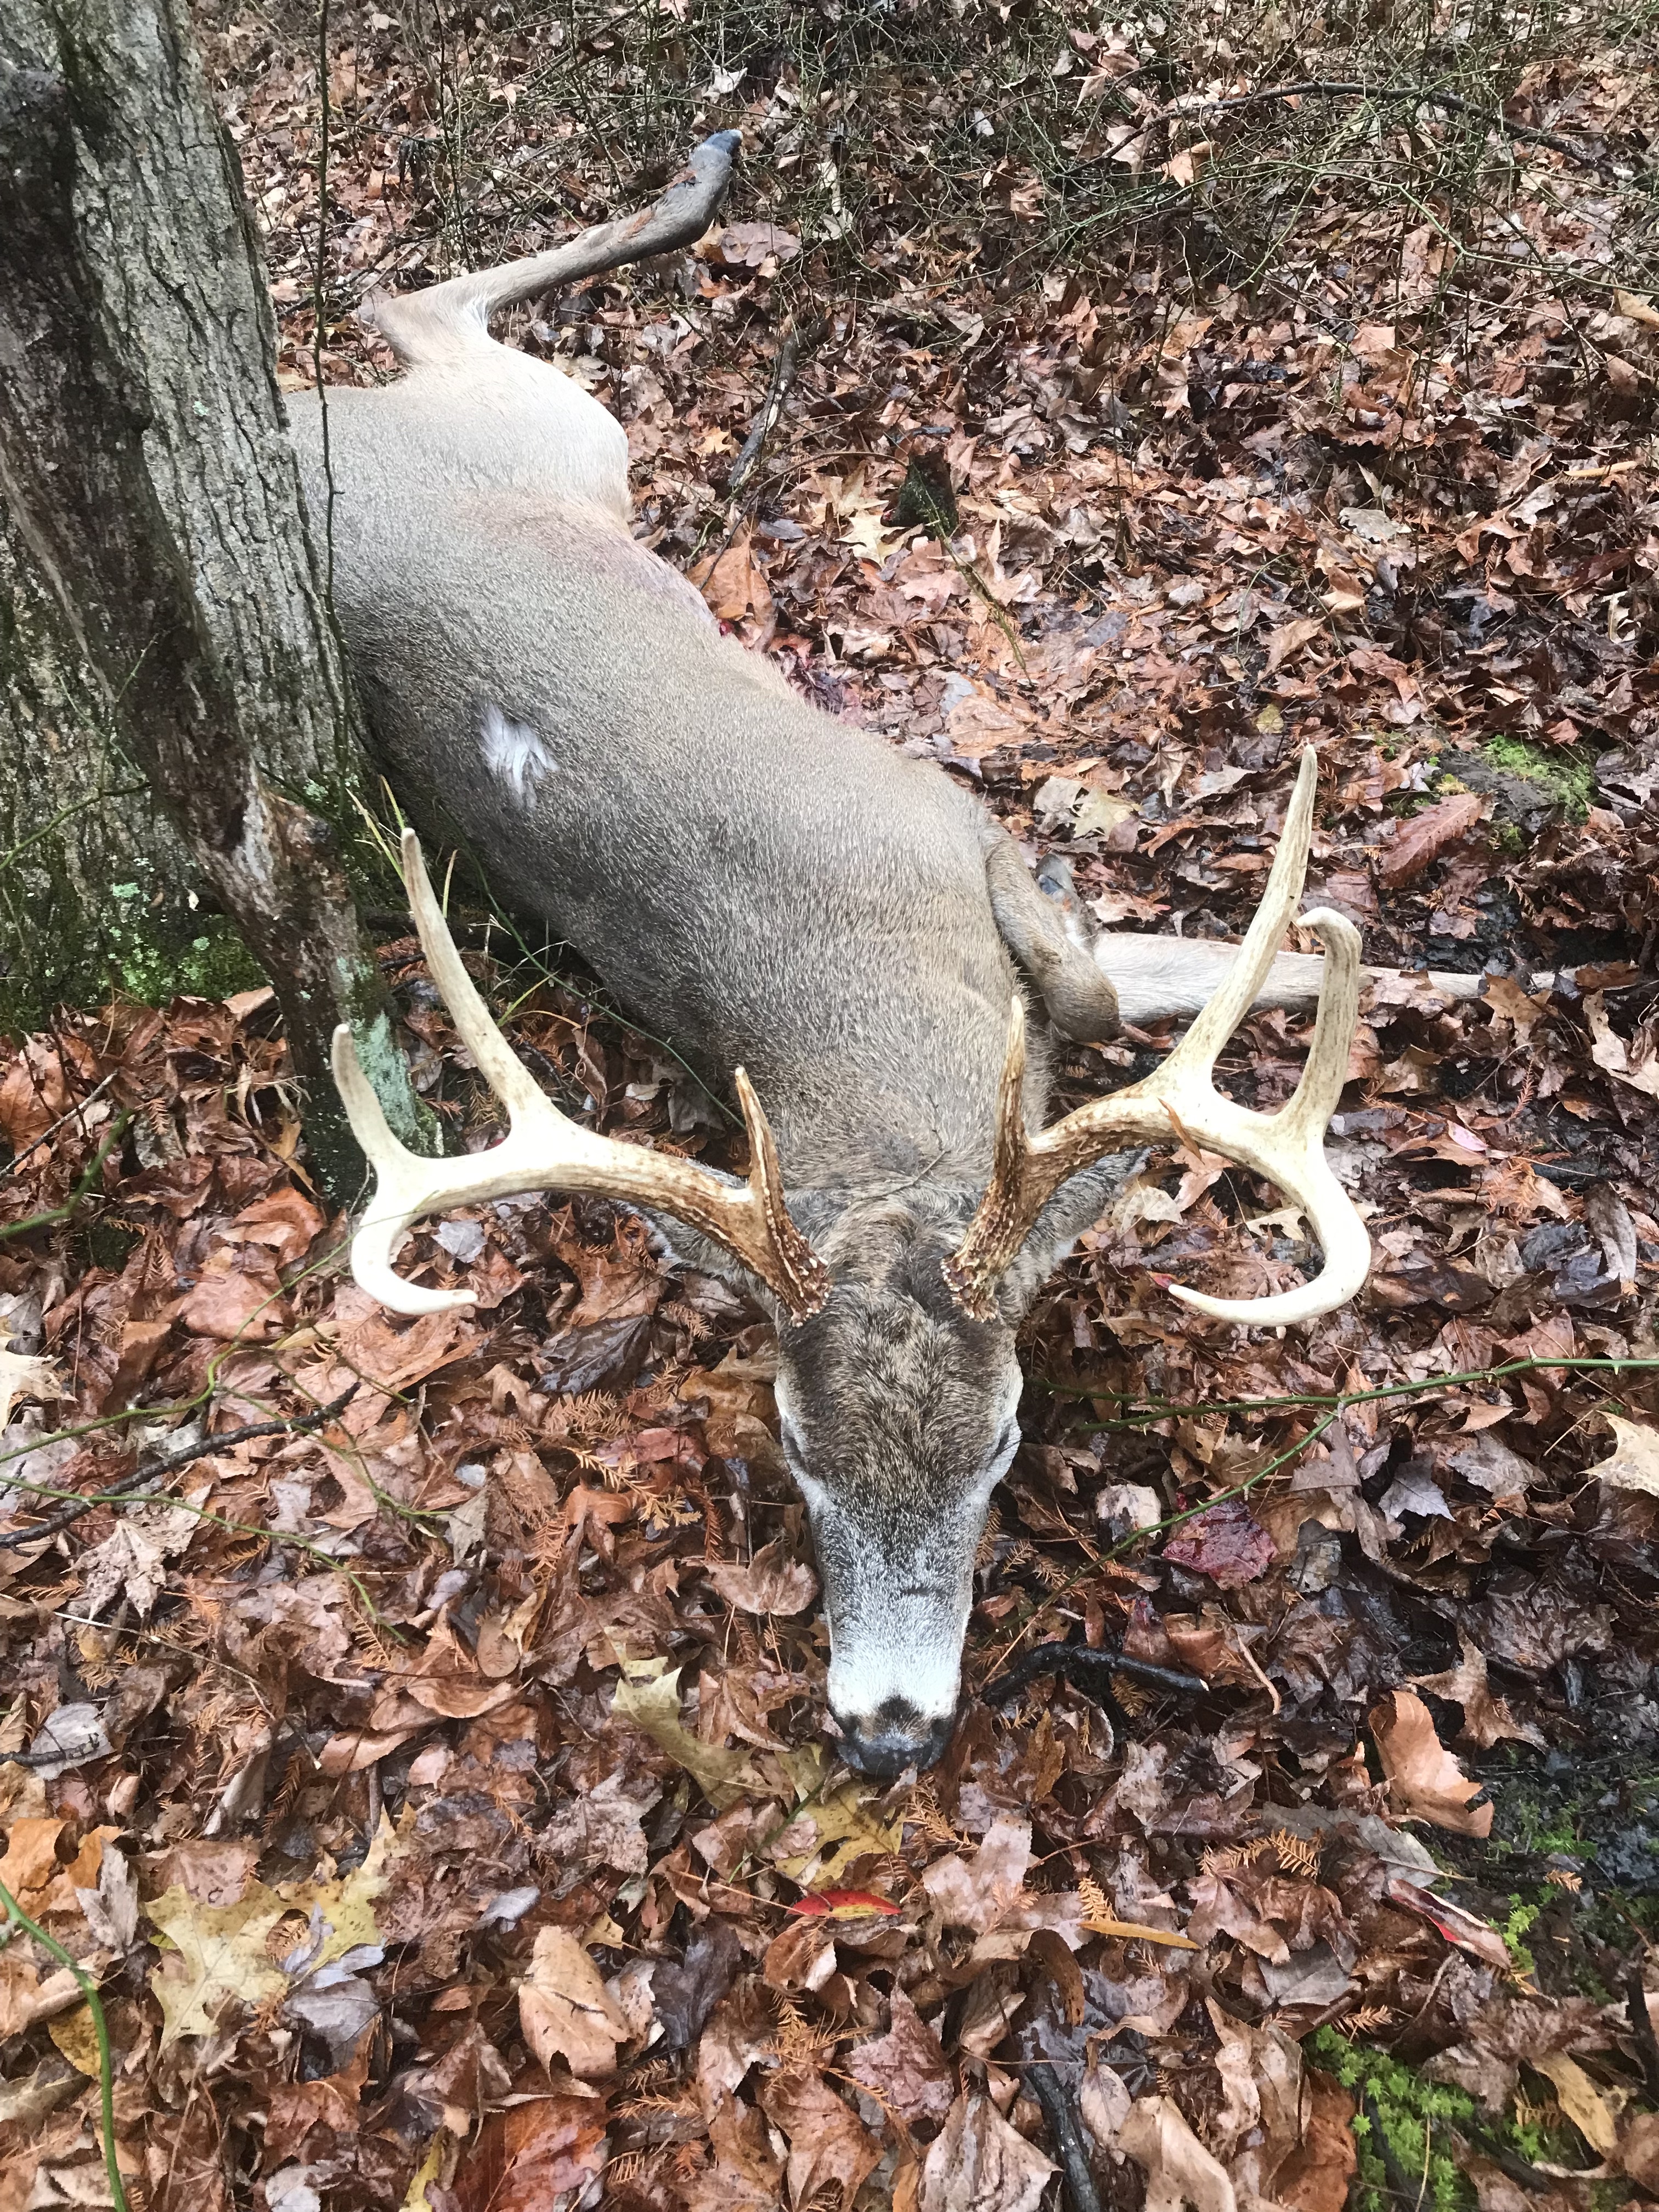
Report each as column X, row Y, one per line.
column 781, row 893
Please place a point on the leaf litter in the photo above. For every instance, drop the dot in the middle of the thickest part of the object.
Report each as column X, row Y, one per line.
column 440, row 1799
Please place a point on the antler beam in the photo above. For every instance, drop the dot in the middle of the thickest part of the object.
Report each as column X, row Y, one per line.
column 1287, row 1148
column 544, row 1150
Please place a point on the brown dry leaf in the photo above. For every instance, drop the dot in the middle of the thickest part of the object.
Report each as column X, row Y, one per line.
column 1424, row 1777
column 1458, row 1926
column 906, row 2068
column 979, row 1893
column 565, row 2009
column 1635, row 1461
column 601, row 1827
column 532, row 2156
column 1317, row 2175
column 828, row 2145
column 1486, row 1720
column 772, row 1582
column 978, row 2163
column 1179, row 2170
column 1427, row 836
column 1609, row 1051
column 1288, row 639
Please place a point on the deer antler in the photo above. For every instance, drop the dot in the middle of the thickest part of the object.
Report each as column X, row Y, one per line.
column 543, row 1150
column 1286, row 1147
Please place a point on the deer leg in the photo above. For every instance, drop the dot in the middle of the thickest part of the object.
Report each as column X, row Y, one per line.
column 1155, row 977
column 451, row 320
column 1078, row 996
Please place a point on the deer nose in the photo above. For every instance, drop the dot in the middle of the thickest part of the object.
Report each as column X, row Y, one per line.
column 896, row 1735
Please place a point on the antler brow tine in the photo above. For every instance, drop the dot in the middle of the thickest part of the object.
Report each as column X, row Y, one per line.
column 544, row 1150
column 1287, row 1148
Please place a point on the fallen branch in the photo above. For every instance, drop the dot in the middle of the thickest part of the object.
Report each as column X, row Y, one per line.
column 89, row 1176
column 1415, row 94
column 169, row 1463
column 1090, row 1670
column 1044, row 2081
column 783, row 375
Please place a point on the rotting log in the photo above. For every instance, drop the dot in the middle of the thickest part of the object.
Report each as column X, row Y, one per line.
column 148, row 476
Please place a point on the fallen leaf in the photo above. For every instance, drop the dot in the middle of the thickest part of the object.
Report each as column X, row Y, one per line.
column 22, row 1375
column 601, row 1827
column 906, row 2068
column 530, row 2157
column 565, row 2009
column 828, row 2145
column 1580, row 2100
column 1424, row 1777
column 1486, row 1720
column 650, row 1701
column 978, row 2163
column 1609, row 1051
column 1635, row 1461
column 1226, row 1542
column 772, row 1582
column 978, row 1892
column 1316, row 2174
column 1288, row 639
column 213, row 1954
column 1427, row 836
column 1179, row 2170
column 1463, row 1928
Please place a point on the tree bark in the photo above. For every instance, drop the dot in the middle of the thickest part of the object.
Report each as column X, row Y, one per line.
column 150, row 484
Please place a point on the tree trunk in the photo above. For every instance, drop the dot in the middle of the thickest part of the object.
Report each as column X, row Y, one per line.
column 157, row 511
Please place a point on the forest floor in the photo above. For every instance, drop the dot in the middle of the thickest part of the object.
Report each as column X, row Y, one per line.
column 437, row 1792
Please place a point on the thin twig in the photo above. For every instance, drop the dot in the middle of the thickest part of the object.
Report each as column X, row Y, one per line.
column 1641, row 2023
column 70, row 1113
column 16, row 1918
column 170, row 1462
column 1417, row 94
column 89, row 1176
column 783, row 375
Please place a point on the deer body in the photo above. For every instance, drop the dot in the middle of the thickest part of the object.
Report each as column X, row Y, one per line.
column 770, row 890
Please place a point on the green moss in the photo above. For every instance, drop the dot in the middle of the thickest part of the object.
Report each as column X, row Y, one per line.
column 153, row 965
column 1567, row 776
column 1519, row 1921
column 1414, row 2116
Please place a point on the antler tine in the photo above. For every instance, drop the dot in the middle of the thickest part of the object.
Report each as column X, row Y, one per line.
column 1286, row 1147
column 544, row 1150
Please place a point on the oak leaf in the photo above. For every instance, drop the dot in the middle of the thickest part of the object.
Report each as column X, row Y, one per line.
column 978, row 2163
column 564, row 2008
column 906, row 2069
column 771, row 1583
column 1486, row 1720
column 828, row 2145
column 1424, row 1777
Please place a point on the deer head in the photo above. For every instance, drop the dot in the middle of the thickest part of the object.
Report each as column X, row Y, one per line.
column 897, row 1383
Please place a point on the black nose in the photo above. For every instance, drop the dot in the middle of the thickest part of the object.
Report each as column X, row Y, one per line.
column 884, row 1742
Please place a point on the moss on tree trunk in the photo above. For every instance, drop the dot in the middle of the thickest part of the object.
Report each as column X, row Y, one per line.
column 164, row 600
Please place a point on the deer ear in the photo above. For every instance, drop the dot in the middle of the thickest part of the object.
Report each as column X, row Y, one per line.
column 1078, row 995
column 1076, row 1206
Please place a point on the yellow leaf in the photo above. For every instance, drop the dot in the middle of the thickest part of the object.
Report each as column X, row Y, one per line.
column 219, row 1952
column 429, row 2170
column 845, row 1828
column 1635, row 1462
column 652, row 1703
column 1132, row 1930
column 1580, row 2100
column 77, row 2037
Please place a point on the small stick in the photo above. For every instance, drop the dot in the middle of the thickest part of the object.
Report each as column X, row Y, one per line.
column 1044, row 2081
column 783, row 375
column 169, row 1463
column 89, row 1176
column 1641, row 2023
column 1088, row 1670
